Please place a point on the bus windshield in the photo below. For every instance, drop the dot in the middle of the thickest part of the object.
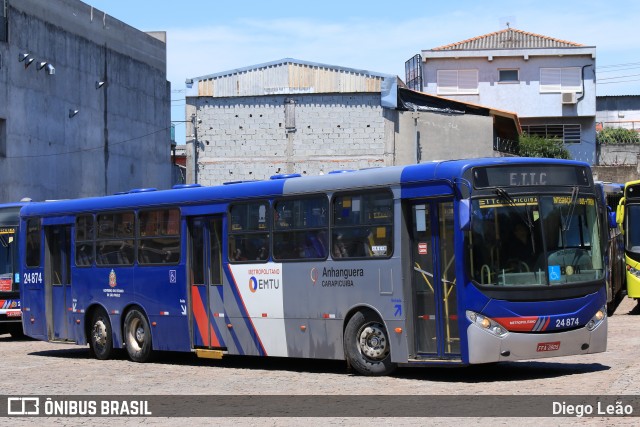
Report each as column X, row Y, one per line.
column 6, row 259
column 632, row 232
column 535, row 240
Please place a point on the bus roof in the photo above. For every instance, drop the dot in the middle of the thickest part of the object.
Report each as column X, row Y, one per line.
column 445, row 170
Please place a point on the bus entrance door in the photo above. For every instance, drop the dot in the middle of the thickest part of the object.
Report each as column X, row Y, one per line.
column 58, row 281
column 433, row 284
column 205, row 282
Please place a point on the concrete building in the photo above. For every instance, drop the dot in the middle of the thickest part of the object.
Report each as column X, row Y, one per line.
column 620, row 111
column 293, row 116
column 549, row 83
column 84, row 103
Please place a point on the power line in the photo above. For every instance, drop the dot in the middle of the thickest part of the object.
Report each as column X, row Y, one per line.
column 619, row 65
column 621, row 81
column 619, row 69
column 620, row 77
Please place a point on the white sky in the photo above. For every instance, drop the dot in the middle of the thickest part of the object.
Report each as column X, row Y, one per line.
column 209, row 36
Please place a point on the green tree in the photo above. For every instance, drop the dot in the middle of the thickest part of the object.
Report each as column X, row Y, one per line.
column 536, row 146
column 617, row 136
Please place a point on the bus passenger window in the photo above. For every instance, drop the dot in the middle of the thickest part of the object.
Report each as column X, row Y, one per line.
column 301, row 228
column 249, row 232
column 159, row 240
column 363, row 225
column 84, row 240
column 33, row 243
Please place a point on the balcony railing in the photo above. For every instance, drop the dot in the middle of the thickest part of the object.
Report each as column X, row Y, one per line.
column 506, row 146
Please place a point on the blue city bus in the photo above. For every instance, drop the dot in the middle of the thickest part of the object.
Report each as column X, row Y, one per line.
column 611, row 194
column 443, row 263
column 10, row 313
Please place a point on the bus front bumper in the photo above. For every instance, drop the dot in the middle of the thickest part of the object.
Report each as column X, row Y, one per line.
column 485, row 347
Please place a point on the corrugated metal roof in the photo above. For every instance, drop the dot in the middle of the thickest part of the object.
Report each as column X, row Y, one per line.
column 287, row 76
column 509, row 38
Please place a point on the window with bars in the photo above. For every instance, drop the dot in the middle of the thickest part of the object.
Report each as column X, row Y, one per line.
column 457, row 82
column 567, row 79
column 569, row 134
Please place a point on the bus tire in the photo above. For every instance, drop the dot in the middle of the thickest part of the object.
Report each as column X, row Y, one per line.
column 137, row 336
column 101, row 338
column 16, row 332
column 366, row 345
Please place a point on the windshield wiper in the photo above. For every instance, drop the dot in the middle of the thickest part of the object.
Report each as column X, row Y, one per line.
column 526, row 216
column 572, row 207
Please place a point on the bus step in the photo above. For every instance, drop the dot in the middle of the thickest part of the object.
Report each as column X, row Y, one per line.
column 435, row 360
column 62, row 341
column 209, row 354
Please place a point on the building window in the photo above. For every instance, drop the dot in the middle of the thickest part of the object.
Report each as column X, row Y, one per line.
column 569, row 134
column 508, row 76
column 457, row 82
column 554, row 80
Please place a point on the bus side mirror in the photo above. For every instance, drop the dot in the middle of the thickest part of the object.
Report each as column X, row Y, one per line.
column 620, row 215
column 464, row 214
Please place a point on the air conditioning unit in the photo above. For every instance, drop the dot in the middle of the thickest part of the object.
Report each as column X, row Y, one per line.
column 569, row 98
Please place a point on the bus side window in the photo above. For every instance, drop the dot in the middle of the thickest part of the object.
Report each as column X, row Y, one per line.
column 33, row 243
column 159, row 240
column 362, row 225
column 249, row 232
column 300, row 228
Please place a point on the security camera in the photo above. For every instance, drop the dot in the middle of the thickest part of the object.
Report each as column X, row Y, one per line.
column 50, row 69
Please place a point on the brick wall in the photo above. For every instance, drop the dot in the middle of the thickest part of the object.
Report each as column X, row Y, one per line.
column 246, row 138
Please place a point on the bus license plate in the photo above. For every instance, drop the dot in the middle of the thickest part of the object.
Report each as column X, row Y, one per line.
column 548, row 346
column 14, row 313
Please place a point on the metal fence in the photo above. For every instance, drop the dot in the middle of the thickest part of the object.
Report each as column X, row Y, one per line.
column 506, row 146
column 617, row 135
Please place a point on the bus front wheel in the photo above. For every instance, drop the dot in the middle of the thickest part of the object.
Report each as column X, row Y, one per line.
column 101, row 339
column 137, row 336
column 366, row 345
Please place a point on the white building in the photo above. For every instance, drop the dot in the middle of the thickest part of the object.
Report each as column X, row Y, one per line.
column 549, row 83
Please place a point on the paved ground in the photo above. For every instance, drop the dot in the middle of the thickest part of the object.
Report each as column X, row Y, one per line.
column 38, row 368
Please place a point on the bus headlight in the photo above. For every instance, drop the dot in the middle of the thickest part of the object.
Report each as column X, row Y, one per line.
column 597, row 319
column 486, row 323
column 633, row 271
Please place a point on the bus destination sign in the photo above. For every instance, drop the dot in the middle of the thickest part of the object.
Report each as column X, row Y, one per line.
column 528, row 175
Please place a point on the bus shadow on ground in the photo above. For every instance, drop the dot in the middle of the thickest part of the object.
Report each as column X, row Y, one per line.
column 505, row 371
column 635, row 311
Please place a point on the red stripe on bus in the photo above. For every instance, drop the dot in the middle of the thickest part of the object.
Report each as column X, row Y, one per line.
column 200, row 316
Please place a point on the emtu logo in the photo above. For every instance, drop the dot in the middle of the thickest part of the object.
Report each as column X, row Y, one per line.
column 253, row 284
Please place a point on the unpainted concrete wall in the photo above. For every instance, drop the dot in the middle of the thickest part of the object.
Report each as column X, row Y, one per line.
column 120, row 137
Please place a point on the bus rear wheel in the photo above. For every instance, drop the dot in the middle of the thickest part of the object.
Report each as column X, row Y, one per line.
column 101, row 339
column 366, row 345
column 137, row 336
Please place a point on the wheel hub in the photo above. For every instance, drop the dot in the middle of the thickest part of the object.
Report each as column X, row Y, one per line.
column 100, row 333
column 373, row 342
column 140, row 334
